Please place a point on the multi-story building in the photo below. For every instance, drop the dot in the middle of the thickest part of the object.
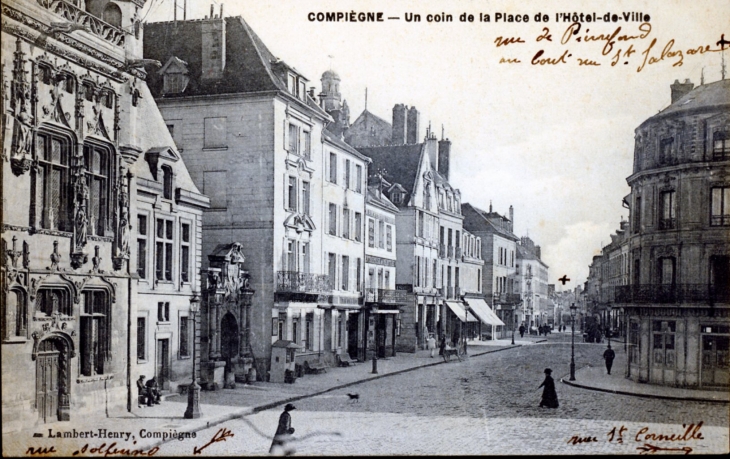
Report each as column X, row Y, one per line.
column 80, row 129
column 382, row 300
column 498, row 250
column 532, row 279
column 253, row 137
column 677, row 302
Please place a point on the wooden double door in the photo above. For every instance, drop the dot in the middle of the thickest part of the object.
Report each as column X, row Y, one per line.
column 51, row 385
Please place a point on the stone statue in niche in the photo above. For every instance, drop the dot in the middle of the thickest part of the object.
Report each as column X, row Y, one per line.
column 22, row 144
column 81, row 221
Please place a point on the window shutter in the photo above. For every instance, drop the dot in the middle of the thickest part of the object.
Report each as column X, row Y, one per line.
column 285, row 136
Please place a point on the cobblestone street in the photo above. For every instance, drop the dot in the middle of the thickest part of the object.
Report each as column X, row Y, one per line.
column 484, row 405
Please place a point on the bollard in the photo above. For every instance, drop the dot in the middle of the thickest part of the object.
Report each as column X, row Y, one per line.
column 375, row 365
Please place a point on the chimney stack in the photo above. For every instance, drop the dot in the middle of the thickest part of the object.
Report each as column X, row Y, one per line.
column 511, row 218
column 444, row 157
column 400, row 119
column 538, row 252
column 679, row 90
column 412, row 126
column 213, row 49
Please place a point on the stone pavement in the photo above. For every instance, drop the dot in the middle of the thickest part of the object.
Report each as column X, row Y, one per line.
column 149, row 427
column 595, row 378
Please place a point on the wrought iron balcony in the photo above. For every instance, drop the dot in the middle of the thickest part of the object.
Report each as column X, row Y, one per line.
column 450, row 252
column 295, row 281
column 442, row 251
column 672, row 293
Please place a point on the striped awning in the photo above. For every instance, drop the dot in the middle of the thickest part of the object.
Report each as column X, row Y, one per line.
column 483, row 311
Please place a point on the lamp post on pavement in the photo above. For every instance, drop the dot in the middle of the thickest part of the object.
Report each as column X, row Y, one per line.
column 608, row 330
column 573, row 310
column 514, row 316
column 193, row 409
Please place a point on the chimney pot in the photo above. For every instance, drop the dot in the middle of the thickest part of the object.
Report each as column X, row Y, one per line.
column 212, row 11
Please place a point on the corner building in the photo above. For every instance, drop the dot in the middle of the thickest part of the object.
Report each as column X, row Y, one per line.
column 677, row 300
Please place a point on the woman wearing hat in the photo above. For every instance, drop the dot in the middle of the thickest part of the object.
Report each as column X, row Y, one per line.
column 284, row 430
column 549, row 396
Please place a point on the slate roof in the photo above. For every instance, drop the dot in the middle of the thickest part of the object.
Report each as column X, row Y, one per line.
column 486, row 217
column 336, row 140
column 707, row 96
column 380, row 199
column 401, row 163
column 250, row 66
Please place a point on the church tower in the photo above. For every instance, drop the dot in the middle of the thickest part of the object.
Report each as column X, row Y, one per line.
column 330, row 97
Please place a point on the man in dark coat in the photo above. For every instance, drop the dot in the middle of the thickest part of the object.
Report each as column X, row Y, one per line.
column 522, row 331
column 143, row 392
column 284, row 431
column 153, row 391
column 442, row 345
column 608, row 356
column 549, row 396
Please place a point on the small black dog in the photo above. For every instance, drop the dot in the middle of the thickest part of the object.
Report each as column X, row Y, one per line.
column 354, row 397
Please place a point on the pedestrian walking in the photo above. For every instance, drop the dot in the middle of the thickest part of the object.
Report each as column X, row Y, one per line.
column 442, row 345
column 522, row 331
column 283, row 432
column 608, row 356
column 432, row 345
column 549, row 396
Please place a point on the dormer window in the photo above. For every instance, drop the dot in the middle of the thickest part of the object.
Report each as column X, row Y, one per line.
column 166, row 182
column 112, row 14
column 174, row 76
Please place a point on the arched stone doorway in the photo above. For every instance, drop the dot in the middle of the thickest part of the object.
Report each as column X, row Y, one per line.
column 229, row 337
column 52, row 382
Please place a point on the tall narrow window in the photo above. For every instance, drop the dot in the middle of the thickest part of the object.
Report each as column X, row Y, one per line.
column 358, row 275
column 381, row 234
column 167, row 182
column 163, row 250
column 419, row 230
column 358, row 177
column 294, row 139
column 142, row 246
column 305, row 198
column 666, row 271
column 95, row 333
column 304, row 258
column 307, row 145
column 309, row 331
column 371, row 232
column 358, row 226
column 347, row 174
column 141, row 338
column 386, row 281
column 184, row 337
column 665, row 150
column 434, row 272
column 54, row 190
column 333, row 168
column 389, row 238
column 333, row 219
column 346, row 223
column 291, row 255
column 96, row 160
column 720, row 207
column 292, row 194
column 668, row 217
column 332, row 270
column 636, row 214
column 215, row 134
column 185, row 252
column 345, row 273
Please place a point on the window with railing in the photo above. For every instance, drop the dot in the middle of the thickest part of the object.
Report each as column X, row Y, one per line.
column 720, row 206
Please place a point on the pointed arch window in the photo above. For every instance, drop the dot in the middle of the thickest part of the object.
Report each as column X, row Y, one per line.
column 53, row 301
column 95, row 333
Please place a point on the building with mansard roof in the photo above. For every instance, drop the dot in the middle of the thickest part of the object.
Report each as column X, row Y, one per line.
column 677, row 301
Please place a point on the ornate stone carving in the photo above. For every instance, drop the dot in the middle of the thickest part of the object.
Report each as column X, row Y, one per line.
column 92, row 24
column 96, row 261
column 20, row 103
column 55, row 257
column 123, row 226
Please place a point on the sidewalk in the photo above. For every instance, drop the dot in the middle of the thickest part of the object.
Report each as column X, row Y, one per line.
column 154, row 425
column 595, row 378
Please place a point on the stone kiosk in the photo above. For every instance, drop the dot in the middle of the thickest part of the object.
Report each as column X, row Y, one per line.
column 226, row 317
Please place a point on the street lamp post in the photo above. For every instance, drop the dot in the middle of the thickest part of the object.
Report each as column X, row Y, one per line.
column 514, row 316
column 193, row 409
column 608, row 330
column 573, row 310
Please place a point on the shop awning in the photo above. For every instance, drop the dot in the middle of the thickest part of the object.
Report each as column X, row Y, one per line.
column 483, row 311
column 459, row 311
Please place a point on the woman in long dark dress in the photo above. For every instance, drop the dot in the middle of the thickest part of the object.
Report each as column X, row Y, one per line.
column 549, row 396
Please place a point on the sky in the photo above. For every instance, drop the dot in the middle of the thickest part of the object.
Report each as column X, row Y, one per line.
column 553, row 140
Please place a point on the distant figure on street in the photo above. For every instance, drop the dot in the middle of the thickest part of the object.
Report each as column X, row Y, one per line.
column 549, row 396
column 442, row 345
column 608, row 356
column 283, row 432
column 432, row 345
column 153, row 391
column 522, row 331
